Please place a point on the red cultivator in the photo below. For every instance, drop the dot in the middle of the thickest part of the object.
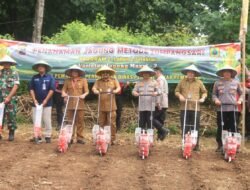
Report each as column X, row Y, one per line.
column 144, row 145
column 102, row 136
column 187, row 149
column 144, row 138
column 189, row 140
column 102, row 142
column 66, row 130
column 231, row 141
column 230, row 148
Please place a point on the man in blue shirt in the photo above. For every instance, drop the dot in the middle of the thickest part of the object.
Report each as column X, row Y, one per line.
column 42, row 87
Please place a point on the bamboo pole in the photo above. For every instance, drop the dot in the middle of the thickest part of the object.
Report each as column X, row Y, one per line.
column 242, row 37
column 243, row 44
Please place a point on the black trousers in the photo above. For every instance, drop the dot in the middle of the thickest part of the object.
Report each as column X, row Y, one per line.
column 119, row 104
column 247, row 118
column 58, row 102
column 190, row 122
column 159, row 117
column 229, row 119
column 145, row 121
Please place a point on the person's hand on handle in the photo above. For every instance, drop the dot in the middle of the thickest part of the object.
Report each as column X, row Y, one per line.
column 82, row 96
column 217, row 102
column 239, row 102
column 154, row 94
column 6, row 100
column 181, row 98
column 202, row 100
column 135, row 93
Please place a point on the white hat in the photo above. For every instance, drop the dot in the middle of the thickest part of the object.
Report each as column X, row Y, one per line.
column 7, row 59
column 41, row 62
column 105, row 68
column 226, row 68
column 191, row 68
column 145, row 69
column 75, row 67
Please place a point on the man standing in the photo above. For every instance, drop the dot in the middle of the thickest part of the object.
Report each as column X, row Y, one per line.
column 192, row 90
column 106, row 87
column 76, row 86
column 41, row 89
column 162, row 106
column 227, row 94
column 146, row 89
column 9, row 82
column 58, row 102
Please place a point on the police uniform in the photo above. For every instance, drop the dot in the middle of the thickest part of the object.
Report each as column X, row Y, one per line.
column 146, row 103
column 226, row 91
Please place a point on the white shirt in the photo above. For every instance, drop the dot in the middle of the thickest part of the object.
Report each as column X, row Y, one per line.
column 163, row 85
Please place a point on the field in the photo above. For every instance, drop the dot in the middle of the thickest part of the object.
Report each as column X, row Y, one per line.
column 25, row 165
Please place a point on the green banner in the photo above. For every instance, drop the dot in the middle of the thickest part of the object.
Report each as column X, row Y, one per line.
column 125, row 59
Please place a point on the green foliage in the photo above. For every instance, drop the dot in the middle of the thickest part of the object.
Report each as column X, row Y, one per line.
column 178, row 37
column 221, row 24
column 22, row 119
column 23, row 88
column 210, row 132
column 77, row 32
column 131, row 127
column 6, row 36
column 174, row 129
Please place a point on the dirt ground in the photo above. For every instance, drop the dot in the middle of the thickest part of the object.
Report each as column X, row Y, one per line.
column 25, row 165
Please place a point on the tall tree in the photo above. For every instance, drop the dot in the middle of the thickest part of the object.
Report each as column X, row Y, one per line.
column 38, row 21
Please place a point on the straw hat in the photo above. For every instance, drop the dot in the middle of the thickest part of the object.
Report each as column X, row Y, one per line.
column 105, row 68
column 191, row 68
column 41, row 62
column 7, row 59
column 226, row 68
column 77, row 68
column 145, row 69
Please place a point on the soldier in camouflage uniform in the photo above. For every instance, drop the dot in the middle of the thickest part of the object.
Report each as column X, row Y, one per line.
column 9, row 82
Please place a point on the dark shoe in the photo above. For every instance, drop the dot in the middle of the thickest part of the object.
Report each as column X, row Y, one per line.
column 80, row 142
column 162, row 133
column 71, row 141
column 197, row 148
column 11, row 135
column 1, row 137
column 48, row 139
column 37, row 140
column 219, row 149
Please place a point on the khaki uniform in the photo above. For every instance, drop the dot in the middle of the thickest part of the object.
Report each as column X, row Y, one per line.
column 105, row 103
column 193, row 90
column 76, row 87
